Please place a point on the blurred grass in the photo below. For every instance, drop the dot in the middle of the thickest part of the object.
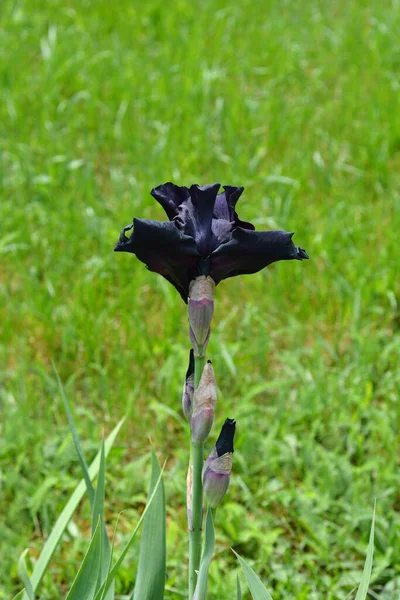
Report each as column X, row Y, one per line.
column 298, row 102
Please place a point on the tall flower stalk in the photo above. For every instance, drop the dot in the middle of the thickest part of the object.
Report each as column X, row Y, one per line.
column 203, row 243
column 200, row 311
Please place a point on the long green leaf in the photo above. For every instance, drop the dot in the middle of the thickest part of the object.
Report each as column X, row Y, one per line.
column 106, row 585
column 238, row 589
column 98, row 501
column 98, row 514
column 19, row 595
column 24, row 577
column 150, row 579
column 102, row 590
column 66, row 515
column 84, row 467
column 208, row 550
column 257, row 590
column 105, row 542
column 366, row 576
column 85, row 583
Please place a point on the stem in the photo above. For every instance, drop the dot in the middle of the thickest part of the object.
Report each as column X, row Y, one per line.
column 197, row 460
column 198, row 369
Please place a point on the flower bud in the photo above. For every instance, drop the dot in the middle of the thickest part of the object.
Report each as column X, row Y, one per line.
column 188, row 389
column 218, row 466
column 204, row 401
column 200, row 312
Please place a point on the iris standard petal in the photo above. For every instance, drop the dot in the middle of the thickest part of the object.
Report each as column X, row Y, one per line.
column 201, row 213
column 222, row 207
column 164, row 249
column 170, row 196
column 233, row 194
column 250, row 251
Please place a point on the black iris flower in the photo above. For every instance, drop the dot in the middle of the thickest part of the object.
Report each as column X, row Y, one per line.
column 204, row 236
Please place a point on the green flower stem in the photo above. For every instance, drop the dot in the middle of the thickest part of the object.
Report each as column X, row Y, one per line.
column 198, row 369
column 197, row 461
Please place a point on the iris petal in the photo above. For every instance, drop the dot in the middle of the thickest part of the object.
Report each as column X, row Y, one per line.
column 222, row 208
column 170, row 196
column 202, row 203
column 233, row 194
column 164, row 249
column 250, row 251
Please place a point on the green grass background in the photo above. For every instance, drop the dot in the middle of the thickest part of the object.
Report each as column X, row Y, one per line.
column 298, row 102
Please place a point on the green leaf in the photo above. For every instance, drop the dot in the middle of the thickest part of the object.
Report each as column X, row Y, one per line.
column 257, row 590
column 239, row 591
column 65, row 517
column 366, row 576
column 150, row 579
column 98, row 514
column 84, row 467
column 106, row 585
column 208, row 550
column 85, row 583
column 98, row 500
column 110, row 592
column 19, row 595
column 24, row 577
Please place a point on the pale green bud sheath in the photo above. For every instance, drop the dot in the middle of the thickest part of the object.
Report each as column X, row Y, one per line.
column 200, row 312
column 204, row 401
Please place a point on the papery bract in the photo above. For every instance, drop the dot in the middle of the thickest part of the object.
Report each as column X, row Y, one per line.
column 204, row 401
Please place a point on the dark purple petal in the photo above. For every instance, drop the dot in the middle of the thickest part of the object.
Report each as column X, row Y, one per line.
column 222, row 231
column 190, row 369
column 225, row 203
column 224, row 442
column 199, row 216
column 170, row 196
column 251, row 251
column 223, row 208
column 232, row 195
column 243, row 224
column 164, row 249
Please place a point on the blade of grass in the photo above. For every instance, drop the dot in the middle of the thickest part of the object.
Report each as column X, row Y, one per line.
column 208, row 550
column 238, row 589
column 24, row 577
column 103, row 594
column 66, row 515
column 366, row 576
column 106, row 585
column 84, row 467
column 257, row 590
column 19, row 595
column 150, row 579
column 98, row 514
column 85, row 583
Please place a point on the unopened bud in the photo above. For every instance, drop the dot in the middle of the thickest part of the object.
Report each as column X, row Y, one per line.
column 218, row 466
column 188, row 389
column 200, row 312
column 204, row 401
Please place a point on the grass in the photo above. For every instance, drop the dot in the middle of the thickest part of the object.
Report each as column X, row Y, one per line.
column 298, row 102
